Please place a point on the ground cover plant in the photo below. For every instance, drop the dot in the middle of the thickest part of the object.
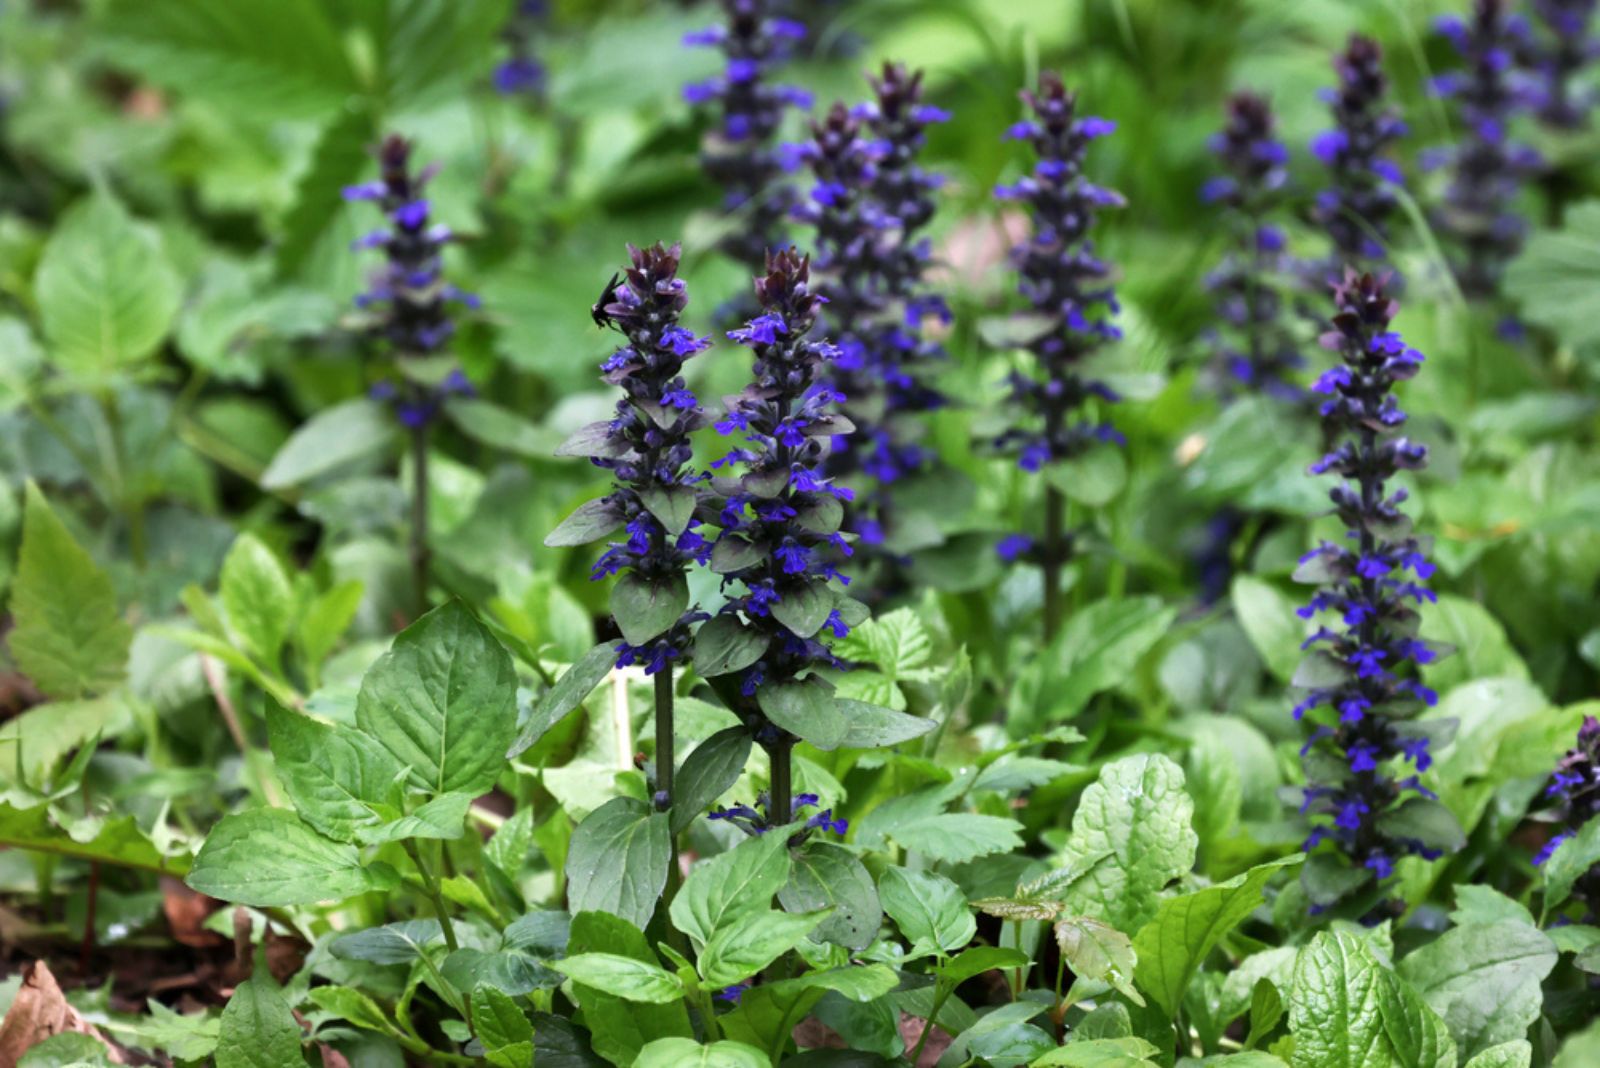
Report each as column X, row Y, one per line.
column 760, row 534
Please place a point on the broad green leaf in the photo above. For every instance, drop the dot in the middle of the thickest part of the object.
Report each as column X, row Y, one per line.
column 644, row 608
column 976, row 961
column 930, row 910
column 256, row 595
column 687, row 1053
column 443, row 817
column 620, row 1028
column 38, row 740
column 570, row 690
column 725, row 644
column 1424, row 820
column 265, row 58
column 443, row 701
column 1098, row 952
column 1481, row 648
column 70, row 1049
column 1101, row 1053
column 806, row 709
column 1484, row 980
column 869, row 726
column 67, row 635
column 708, row 773
column 1131, row 836
column 1173, row 946
column 269, row 858
column 500, row 428
column 333, row 774
column 957, row 837
column 1556, row 274
column 1570, row 860
column 326, row 619
column 1269, row 620
column 117, row 841
column 1518, row 1054
column 739, row 950
column 258, row 1029
column 394, row 943
column 720, row 889
column 591, row 521
column 825, row 876
column 106, row 292
column 617, row 862
column 623, row 977
column 331, row 439
column 1096, row 651
column 313, row 246
column 350, row 1004
column 1093, row 478
column 1349, row 1011
column 503, row 1029
column 805, row 609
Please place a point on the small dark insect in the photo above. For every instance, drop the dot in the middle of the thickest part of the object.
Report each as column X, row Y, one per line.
column 597, row 310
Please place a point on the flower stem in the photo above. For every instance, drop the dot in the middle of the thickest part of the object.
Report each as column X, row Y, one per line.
column 665, row 756
column 420, row 554
column 782, row 781
column 1055, row 552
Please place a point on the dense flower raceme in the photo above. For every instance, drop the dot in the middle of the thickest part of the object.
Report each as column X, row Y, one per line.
column 1067, row 286
column 408, row 300
column 740, row 155
column 521, row 72
column 1363, row 694
column 1256, row 348
column 1488, row 169
column 754, row 821
column 1360, row 199
column 646, row 447
column 780, row 517
column 1574, row 791
column 1564, row 44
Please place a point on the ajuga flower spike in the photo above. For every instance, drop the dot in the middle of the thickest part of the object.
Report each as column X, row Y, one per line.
column 1360, row 677
column 1069, row 292
column 1362, row 178
column 1574, row 792
column 654, row 496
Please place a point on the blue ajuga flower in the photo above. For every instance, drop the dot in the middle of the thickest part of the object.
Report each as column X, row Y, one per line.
column 521, row 73
column 1360, row 199
column 1574, row 795
column 646, row 445
column 755, row 821
column 885, row 364
column 780, row 517
column 408, row 299
column 1362, row 689
column 1564, row 46
column 1257, row 350
column 739, row 155
column 1063, row 281
column 1488, row 168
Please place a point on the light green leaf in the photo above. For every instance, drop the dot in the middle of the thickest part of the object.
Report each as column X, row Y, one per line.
column 503, row 1029
column 1131, row 836
column 1557, row 273
column 826, row 876
column 258, row 1030
column 929, row 909
column 1101, row 1053
column 620, row 1028
column 1269, row 620
column 1484, row 980
column 1093, row 478
column 269, row 858
column 1482, row 649
column 687, row 1053
column 957, row 837
column 1518, row 1054
column 722, row 888
column 37, row 741
column 570, row 690
column 353, row 1006
column 67, row 635
column 739, row 950
column 617, row 861
column 332, row 438
column 444, row 817
column 1097, row 650
column 1570, row 860
column 107, row 294
column 1348, row 1011
column 1173, row 946
column 119, row 840
column 333, row 774
column 623, row 977
column 326, row 618
column 1100, row 953
column 256, row 595
column 443, row 701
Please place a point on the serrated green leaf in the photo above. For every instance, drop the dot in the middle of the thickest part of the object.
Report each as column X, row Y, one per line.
column 268, row 858
column 930, row 910
column 258, row 1029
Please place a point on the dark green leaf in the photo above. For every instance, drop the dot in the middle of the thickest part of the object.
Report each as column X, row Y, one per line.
column 617, row 862
column 570, row 690
column 804, row 609
column 708, row 773
column 826, row 876
column 806, row 709
column 591, row 521
column 725, row 644
column 645, row 608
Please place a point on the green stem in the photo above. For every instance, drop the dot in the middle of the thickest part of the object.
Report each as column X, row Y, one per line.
column 128, row 501
column 778, row 807
column 1054, row 554
column 420, row 553
column 435, row 895
column 666, row 759
column 941, row 995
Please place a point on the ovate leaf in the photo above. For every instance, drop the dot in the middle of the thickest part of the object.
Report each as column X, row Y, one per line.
column 623, row 977
column 720, row 889
column 268, row 858
column 617, row 862
column 257, row 597
column 258, row 1029
column 930, row 910
column 67, row 635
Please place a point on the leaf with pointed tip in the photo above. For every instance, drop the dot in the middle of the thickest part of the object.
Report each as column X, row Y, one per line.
column 806, row 709
column 590, row 521
column 645, row 608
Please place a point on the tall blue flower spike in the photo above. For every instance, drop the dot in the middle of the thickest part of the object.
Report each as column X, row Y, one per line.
column 1488, row 169
column 1563, row 48
column 1362, row 691
column 1574, row 797
column 408, row 301
column 1356, row 207
column 1257, row 351
column 740, row 153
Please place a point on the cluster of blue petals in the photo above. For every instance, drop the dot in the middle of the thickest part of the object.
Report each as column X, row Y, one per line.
column 408, row 299
column 646, row 445
column 1362, row 691
column 1564, row 45
column 1362, row 193
column 780, row 512
column 755, row 821
column 1574, row 797
column 1488, row 168
column 1256, row 350
column 1068, row 288
column 741, row 155
column 521, row 73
